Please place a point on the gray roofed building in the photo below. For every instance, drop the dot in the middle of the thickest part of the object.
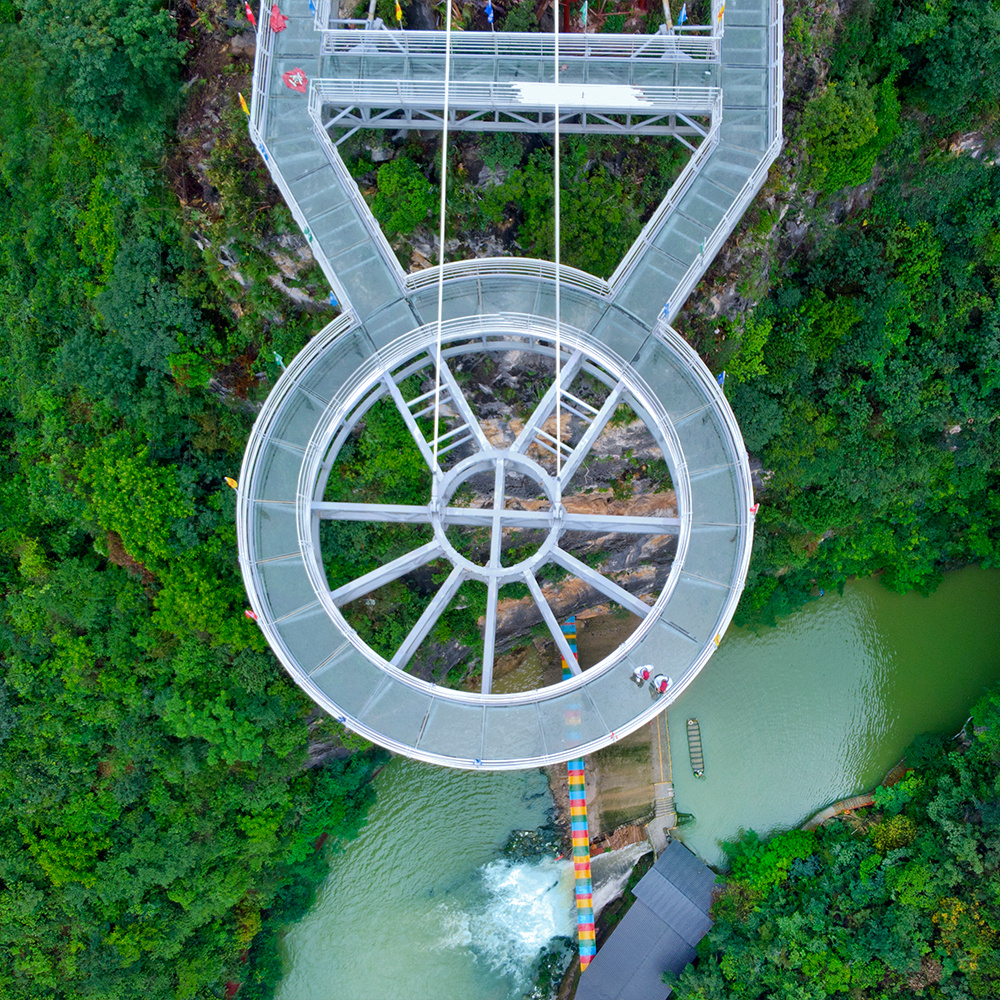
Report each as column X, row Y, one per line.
column 659, row 932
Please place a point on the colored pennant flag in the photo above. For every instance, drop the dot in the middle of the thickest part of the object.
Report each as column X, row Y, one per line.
column 683, row 15
column 251, row 615
column 279, row 360
column 295, row 79
column 721, row 379
column 232, row 482
column 489, row 11
column 399, row 12
column 278, row 20
column 584, row 10
column 243, row 105
column 754, row 509
column 250, row 17
column 312, row 8
column 722, row 10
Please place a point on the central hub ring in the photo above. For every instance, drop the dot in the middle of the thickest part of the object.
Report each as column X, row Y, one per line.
column 500, row 463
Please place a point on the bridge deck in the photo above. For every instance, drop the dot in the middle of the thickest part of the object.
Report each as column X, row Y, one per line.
column 625, row 317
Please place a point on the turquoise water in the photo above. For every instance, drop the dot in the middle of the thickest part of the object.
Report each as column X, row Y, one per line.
column 423, row 906
column 822, row 706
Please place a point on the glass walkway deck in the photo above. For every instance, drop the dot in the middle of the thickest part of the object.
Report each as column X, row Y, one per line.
column 615, row 332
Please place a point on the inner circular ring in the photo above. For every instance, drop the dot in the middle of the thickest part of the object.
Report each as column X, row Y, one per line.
column 442, row 516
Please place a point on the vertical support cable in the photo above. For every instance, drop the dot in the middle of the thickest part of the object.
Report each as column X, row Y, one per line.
column 578, row 822
column 436, row 470
column 558, row 261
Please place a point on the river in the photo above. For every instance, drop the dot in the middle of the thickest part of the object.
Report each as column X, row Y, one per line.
column 423, row 905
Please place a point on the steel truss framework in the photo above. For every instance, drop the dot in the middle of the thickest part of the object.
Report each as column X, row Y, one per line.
column 503, row 82
column 616, row 332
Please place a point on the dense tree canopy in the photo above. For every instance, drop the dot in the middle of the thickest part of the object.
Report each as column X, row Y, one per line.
column 872, row 395
column 902, row 902
column 155, row 808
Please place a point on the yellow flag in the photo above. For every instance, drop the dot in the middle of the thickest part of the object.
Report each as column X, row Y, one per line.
column 232, row 482
column 399, row 11
column 243, row 105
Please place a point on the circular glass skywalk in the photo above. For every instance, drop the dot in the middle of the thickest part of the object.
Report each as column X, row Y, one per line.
column 499, row 524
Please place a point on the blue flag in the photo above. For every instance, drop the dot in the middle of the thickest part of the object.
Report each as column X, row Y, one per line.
column 721, row 378
column 312, row 8
column 683, row 15
column 489, row 11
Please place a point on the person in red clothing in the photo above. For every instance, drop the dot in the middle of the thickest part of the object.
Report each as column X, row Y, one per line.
column 642, row 674
column 661, row 682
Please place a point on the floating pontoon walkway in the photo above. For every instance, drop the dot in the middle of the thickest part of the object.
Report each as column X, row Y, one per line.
column 584, row 891
column 616, row 332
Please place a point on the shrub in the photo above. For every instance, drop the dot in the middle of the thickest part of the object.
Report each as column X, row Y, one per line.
column 405, row 196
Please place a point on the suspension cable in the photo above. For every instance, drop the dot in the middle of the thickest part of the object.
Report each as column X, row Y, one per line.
column 444, row 194
column 556, row 152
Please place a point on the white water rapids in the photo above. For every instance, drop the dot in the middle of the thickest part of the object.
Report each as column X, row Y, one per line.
column 423, row 905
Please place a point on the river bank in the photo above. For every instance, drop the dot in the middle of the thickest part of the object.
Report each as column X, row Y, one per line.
column 793, row 718
column 823, row 705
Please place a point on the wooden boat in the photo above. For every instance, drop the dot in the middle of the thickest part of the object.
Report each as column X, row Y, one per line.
column 694, row 748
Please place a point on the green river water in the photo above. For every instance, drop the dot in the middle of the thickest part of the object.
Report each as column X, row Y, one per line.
column 422, row 905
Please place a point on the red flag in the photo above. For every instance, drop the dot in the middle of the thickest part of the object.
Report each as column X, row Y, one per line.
column 278, row 20
column 250, row 614
column 755, row 508
column 250, row 16
column 295, row 79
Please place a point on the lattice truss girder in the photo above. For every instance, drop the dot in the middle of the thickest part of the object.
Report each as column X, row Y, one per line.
column 391, row 80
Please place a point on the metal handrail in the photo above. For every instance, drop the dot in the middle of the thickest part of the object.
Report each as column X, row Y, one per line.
column 303, row 223
column 262, row 68
column 714, row 241
column 350, row 188
column 720, row 234
column 777, row 72
column 502, row 96
column 482, row 267
column 754, row 182
column 508, row 44
column 665, row 209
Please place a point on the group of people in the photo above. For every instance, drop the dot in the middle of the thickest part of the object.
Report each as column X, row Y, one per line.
column 644, row 675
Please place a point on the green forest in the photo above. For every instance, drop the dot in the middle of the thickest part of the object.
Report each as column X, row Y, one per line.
column 158, row 821
column 161, row 816
column 902, row 900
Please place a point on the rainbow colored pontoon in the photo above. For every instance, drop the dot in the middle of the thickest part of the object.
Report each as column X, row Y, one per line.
column 578, row 820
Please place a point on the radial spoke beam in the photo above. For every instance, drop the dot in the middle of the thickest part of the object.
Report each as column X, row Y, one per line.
column 429, row 618
column 410, row 421
column 632, row 525
column 493, row 587
column 547, row 404
column 562, row 643
column 490, row 634
column 482, row 517
column 462, row 404
column 403, row 513
column 591, row 434
column 600, row 582
column 386, row 574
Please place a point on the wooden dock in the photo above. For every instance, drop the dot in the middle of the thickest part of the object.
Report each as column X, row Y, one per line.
column 695, row 751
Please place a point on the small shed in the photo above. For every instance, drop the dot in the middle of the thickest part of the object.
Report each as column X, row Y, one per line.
column 660, row 931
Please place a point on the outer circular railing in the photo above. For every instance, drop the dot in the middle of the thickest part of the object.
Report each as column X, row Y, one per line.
column 319, row 402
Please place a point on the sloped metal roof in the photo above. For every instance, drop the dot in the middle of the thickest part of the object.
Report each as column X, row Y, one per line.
column 659, row 932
